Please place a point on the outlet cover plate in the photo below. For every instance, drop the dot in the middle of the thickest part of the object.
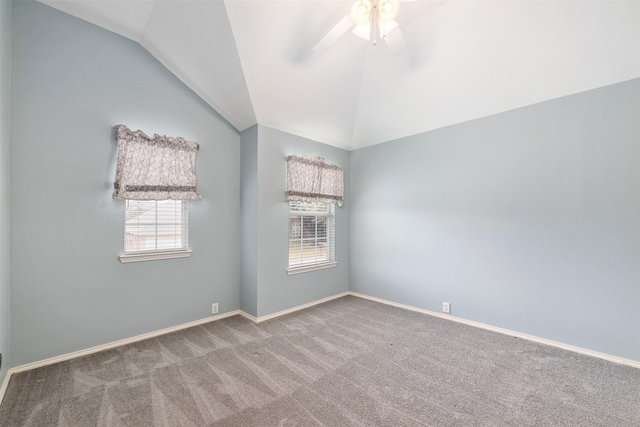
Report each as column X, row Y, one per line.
column 446, row 307
column 214, row 308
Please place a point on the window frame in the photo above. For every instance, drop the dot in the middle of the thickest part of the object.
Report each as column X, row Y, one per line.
column 328, row 212
column 156, row 254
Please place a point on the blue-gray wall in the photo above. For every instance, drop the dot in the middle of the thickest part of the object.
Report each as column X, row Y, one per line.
column 249, row 221
column 527, row 220
column 72, row 81
column 276, row 290
column 5, row 135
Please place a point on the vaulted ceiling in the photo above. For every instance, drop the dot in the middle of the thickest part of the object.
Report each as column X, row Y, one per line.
column 253, row 60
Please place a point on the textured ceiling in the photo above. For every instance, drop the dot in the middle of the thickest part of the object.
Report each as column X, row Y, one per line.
column 253, row 60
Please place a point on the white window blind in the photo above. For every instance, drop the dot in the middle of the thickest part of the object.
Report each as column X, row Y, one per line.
column 311, row 233
column 155, row 226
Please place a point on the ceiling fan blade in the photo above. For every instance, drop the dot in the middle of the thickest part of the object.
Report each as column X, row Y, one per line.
column 395, row 42
column 334, row 34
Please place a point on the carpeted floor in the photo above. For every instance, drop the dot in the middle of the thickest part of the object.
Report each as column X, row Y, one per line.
column 348, row 362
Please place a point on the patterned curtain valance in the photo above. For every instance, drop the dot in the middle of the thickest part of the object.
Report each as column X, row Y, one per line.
column 157, row 168
column 314, row 181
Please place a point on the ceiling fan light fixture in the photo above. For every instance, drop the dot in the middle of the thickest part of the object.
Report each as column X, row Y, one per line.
column 388, row 9
column 361, row 12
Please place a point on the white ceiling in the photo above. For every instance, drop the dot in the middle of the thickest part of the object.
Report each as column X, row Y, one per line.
column 253, row 61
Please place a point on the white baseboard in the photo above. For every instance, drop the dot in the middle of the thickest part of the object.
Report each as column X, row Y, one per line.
column 5, row 384
column 248, row 316
column 103, row 347
column 99, row 348
column 291, row 310
column 539, row 340
column 153, row 334
column 118, row 343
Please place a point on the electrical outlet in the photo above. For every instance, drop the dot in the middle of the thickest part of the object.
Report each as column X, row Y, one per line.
column 446, row 307
column 214, row 308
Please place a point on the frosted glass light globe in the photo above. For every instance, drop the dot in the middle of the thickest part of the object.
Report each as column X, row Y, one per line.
column 388, row 9
column 361, row 11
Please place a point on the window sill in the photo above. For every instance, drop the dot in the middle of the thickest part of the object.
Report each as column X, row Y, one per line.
column 153, row 256
column 307, row 268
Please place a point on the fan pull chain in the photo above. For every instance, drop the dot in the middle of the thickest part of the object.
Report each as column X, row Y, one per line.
column 373, row 23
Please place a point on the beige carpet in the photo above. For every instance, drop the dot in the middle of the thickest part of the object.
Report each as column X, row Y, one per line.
column 346, row 362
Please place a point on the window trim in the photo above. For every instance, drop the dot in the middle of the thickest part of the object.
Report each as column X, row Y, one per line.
column 312, row 267
column 152, row 256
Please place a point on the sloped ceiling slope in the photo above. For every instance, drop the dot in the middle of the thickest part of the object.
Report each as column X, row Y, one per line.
column 253, row 60
column 193, row 39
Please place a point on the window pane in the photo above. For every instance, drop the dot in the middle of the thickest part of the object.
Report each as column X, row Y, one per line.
column 311, row 233
column 152, row 226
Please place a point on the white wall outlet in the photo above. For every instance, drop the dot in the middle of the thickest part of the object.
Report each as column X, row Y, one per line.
column 214, row 308
column 446, row 307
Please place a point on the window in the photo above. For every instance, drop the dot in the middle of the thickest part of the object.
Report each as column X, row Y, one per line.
column 311, row 236
column 155, row 229
column 313, row 189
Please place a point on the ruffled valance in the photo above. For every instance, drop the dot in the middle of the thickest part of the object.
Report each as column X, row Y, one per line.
column 157, row 168
column 313, row 180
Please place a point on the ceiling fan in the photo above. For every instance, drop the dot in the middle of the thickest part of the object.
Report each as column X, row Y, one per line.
column 371, row 20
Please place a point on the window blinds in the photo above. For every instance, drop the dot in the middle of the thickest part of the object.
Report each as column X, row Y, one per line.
column 155, row 225
column 311, row 233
